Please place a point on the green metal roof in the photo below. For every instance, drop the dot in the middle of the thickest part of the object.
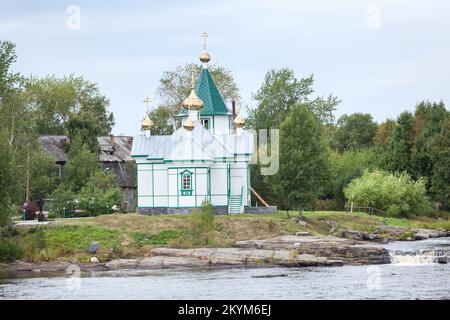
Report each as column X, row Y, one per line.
column 206, row 89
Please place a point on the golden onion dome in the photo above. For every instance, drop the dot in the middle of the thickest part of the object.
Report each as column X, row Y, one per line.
column 189, row 124
column 238, row 122
column 193, row 102
column 205, row 57
column 147, row 124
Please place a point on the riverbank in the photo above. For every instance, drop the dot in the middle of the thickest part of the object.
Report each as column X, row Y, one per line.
column 134, row 241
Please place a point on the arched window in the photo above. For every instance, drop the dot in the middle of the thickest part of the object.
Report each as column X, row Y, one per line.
column 186, row 183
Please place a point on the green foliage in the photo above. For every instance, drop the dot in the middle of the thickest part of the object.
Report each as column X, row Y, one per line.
column 439, row 148
column 353, row 132
column 10, row 249
column 303, row 170
column 163, row 237
column 82, row 164
column 100, row 194
column 50, row 243
column 44, row 174
column 397, row 194
column 345, row 167
column 163, row 121
column 69, row 105
column 6, row 181
column 202, row 225
column 280, row 91
column 398, row 153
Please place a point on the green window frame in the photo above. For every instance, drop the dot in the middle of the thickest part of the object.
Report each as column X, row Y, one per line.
column 186, row 183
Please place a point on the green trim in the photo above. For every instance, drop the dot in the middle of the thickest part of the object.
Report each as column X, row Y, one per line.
column 153, row 185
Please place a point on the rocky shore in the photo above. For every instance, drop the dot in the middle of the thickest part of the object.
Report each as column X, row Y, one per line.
column 300, row 250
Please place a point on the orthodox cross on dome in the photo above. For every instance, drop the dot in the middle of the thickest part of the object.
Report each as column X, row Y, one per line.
column 205, row 39
column 204, row 56
column 147, row 101
column 193, row 74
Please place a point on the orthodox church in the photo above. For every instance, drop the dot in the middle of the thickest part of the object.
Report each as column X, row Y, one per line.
column 206, row 159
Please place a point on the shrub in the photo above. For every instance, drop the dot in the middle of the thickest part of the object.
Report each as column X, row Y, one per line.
column 202, row 225
column 100, row 194
column 397, row 194
column 10, row 250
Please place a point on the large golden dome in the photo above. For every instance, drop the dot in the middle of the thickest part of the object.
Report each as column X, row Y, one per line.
column 192, row 102
column 189, row 124
column 238, row 122
column 147, row 124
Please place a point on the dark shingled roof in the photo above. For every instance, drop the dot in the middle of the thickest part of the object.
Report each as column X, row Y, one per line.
column 113, row 148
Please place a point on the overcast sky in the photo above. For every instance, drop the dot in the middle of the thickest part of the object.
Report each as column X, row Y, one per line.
column 380, row 57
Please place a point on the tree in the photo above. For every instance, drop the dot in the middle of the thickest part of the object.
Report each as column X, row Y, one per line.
column 43, row 174
column 82, row 164
column 6, row 179
column 70, row 105
column 384, row 132
column 397, row 194
column 439, row 148
column 429, row 119
column 354, row 131
column 347, row 166
column 280, row 91
column 163, row 120
column 303, row 159
column 398, row 154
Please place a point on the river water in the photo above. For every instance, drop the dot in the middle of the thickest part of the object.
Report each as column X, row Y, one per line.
column 415, row 274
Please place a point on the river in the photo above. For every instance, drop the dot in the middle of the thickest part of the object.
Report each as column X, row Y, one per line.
column 415, row 274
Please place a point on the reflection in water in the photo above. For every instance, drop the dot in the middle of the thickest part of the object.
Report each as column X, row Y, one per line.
column 392, row 281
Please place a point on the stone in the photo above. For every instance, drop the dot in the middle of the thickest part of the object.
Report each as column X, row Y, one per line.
column 302, row 234
column 94, row 260
column 94, row 247
column 353, row 234
column 302, row 223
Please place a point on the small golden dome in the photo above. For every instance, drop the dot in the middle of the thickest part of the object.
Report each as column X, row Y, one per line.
column 193, row 102
column 147, row 124
column 205, row 57
column 189, row 124
column 238, row 122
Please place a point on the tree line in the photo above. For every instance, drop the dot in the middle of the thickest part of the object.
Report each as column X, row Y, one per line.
column 321, row 156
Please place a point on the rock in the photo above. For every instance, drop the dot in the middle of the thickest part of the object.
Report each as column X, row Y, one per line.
column 94, row 260
column 375, row 237
column 122, row 264
column 94, row 247
column 302, row 223
column 332, row 224
column 302, row 234
column 353, row 234
column 421, row 236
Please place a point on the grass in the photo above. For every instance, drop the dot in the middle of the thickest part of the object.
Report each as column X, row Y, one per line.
column 134, row 235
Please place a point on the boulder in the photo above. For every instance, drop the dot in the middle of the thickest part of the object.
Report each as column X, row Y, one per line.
column 94, row 247
column 94, row 260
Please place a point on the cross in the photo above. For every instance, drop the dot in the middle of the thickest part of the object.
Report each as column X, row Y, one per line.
column 238, row 109
column 193, row 76
column 204, row 36
column 147, row 101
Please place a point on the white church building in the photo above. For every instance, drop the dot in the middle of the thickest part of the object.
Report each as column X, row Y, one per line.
column 206, row 159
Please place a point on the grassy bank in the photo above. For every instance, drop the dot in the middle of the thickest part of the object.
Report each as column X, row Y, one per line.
column 134, row 235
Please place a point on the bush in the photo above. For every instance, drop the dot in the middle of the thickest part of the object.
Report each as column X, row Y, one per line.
column 397, row 194
column 10, row 250
column 202, row 225
column 100, row 194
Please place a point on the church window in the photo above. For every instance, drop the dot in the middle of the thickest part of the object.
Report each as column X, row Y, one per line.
column 186, row 183
column 205, row 122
